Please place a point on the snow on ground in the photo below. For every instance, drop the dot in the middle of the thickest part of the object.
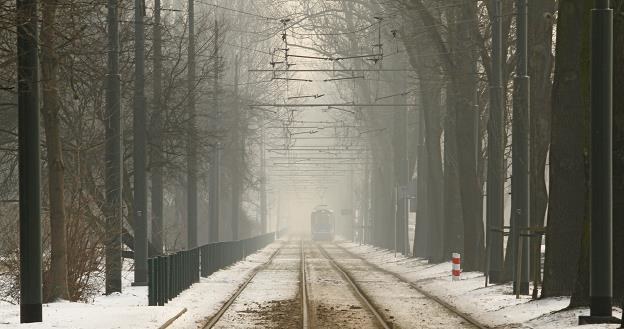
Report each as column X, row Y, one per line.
column 270, row 300
column 129, row 309
column 492, row 306
column 206, row 297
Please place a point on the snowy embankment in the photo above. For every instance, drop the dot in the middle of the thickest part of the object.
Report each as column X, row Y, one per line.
column 493, row 306
column 129, row 309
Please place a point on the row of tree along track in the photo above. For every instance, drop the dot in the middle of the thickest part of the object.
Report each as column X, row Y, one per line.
column 322, row 285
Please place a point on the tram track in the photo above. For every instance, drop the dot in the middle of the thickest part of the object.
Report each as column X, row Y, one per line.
column 214, row 320
column 328, row 286
column 305, row 321
column 364, row 299
column 416, row 287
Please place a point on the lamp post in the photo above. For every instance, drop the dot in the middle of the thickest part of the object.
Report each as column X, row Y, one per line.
column 29, row 162
column 601, row 173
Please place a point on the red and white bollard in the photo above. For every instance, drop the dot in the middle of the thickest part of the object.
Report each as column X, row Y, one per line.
column 456, row 266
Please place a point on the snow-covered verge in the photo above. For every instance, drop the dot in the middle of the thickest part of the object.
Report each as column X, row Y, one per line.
column 493, row 306
column 129, row 309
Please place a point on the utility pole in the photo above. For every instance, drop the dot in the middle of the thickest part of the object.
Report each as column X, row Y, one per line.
column 408, row 174
column 496, row 167
column 521, row 155
column 140, row 134
column 364, row 222
column 351, row 205
column 191, row 181
column 400, row 176
column 279, row 214
column 263, row 196
column 239, row 156
column 113, row 173
column 601, row 171
column 156, row 155
column 424, row 226
column 215, row 188
column 29, row 161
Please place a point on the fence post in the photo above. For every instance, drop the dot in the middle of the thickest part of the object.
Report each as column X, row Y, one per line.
column 167, row 281
column 157, row 279
column 180, row 271
column 176, row 275
column 202, row 261
column 172, row 276
column 164, row 264
column 197, row 265
column 151, row 298
column 185, row 269
column 219, row 257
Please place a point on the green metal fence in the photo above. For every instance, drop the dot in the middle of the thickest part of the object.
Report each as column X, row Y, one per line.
column 171, row 274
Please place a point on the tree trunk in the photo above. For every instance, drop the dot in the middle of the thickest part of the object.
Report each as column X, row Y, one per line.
column 238, row 157
column 434, row 179
column 463, row 99
column 568, row 201
column 58, row 285
column 431, row 224
column 383, row 193
column 453, row 230
column 540, row 68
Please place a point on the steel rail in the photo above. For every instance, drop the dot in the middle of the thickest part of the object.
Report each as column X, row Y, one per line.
column 304, row 291
column 358, row 291
column 418, row 288
column 215, row 319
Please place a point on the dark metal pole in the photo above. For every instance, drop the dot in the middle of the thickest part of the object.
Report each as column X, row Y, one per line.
column 366, row 224
column 408, row 178
column 397, row 130
column 29, row 162
column 495, row 169
column 113, row 156
column 279, row 214
column 239, row 156
column 140, row 134
column 601, row 173
column 215, row 174
column 263, row 196
column 191, row 182
column 351, row 215
column 521, row 152
column 156, row 154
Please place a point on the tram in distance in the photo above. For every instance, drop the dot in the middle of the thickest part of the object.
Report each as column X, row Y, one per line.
column 322, row 224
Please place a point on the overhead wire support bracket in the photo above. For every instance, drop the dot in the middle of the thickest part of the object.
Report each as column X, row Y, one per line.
column 307, row 96
column 312, row 57
column 343, row 78
column 292, row 79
